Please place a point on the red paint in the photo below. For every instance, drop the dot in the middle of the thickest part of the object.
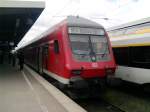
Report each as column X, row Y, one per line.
column 63, row 63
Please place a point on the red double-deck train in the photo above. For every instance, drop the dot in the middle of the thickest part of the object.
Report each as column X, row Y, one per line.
column 75, row 52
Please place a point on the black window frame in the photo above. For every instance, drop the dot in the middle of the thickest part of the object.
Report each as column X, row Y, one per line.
column 122, row 55
column 56, row 47
column 136, row 56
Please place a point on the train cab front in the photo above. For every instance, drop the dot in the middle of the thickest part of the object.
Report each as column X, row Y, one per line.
column 91, row 60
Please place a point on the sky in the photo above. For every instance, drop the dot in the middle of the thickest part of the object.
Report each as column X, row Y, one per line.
column 108, row 13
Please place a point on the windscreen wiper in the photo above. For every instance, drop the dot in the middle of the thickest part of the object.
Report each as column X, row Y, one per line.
column 105, row 52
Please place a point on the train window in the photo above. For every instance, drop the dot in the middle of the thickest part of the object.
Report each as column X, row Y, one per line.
column 80, row 47
column 140, row 56
column 56, row 47
column 122, row 55
column 133, row 56
column 84, row 47
column 100, row 45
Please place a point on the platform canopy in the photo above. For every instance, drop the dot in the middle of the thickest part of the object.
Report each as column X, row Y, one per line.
column 16, row 18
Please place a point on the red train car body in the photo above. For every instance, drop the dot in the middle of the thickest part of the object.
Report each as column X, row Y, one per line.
column 73, row 51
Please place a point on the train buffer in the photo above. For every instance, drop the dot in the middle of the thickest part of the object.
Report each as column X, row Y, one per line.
column 26, row 91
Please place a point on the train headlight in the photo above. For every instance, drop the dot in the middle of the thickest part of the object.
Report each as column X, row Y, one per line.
column 76, row 72
column 93, row 58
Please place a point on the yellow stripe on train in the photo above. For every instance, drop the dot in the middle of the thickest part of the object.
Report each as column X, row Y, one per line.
column 137, row 32
column 142, row 31
column 131, row 45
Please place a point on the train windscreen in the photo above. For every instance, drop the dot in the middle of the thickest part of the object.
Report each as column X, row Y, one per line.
column 89, row 46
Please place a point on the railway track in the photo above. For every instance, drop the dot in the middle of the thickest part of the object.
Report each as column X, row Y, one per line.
column 113, row 107
column 92, row 104
column 98, row 105
column 115, row 100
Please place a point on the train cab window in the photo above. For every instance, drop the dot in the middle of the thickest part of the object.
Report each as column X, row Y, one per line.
column 85, row 47
column 56, row 47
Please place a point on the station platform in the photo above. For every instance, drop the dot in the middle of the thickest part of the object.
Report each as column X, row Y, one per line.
column 26, row 91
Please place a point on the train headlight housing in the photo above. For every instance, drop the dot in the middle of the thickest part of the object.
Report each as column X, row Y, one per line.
column 76, row 72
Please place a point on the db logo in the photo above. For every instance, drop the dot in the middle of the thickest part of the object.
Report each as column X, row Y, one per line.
column 94, row 65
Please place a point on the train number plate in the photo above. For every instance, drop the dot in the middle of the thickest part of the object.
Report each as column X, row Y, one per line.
column 94, row 65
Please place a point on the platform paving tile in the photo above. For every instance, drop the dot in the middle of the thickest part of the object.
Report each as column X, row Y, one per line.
column 16, row 95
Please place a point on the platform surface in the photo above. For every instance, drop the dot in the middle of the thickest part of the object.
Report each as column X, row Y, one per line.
column 21, row 92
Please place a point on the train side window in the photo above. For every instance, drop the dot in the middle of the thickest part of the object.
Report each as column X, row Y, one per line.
column 56, row 47
column 121, row 55
column 140, row 56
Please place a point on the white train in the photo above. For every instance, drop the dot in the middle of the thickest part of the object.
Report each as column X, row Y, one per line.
column 131, row 46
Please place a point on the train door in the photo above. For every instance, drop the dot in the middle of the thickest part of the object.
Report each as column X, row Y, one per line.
column 40, row 59
column 45, row 56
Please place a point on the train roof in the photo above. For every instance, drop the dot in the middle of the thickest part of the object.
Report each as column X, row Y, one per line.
column 134, row 23
column 80, row 21
column 141, row 39
column 70, row 20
